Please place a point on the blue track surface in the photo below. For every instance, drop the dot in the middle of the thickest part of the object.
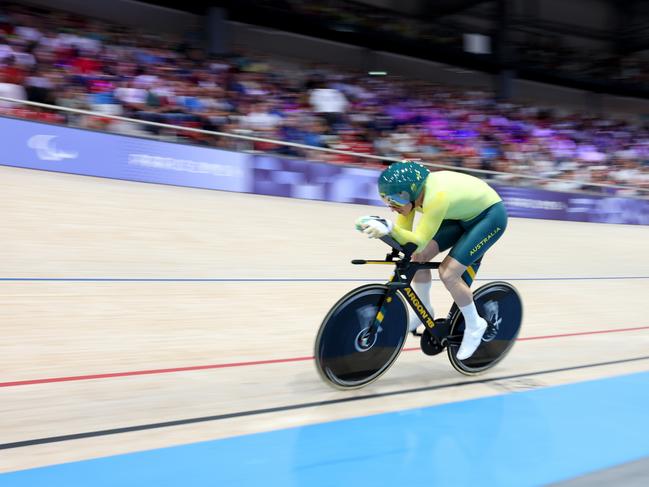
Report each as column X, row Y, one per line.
column 525, row 438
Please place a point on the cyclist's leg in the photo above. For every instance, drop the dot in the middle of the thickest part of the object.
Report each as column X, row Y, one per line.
column 447, row 235
column 460, row 265
column 421, row 283
column 481, row 233
column 469, row 274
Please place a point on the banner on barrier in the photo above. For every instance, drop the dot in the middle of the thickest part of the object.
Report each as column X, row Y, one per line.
column 552, row 205
column 314, row 180
column 62, row 149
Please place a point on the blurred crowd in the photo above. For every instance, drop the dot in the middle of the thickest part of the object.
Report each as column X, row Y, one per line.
column 83, row 63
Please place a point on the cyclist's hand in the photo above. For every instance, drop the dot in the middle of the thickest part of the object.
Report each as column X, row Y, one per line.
column 374, row 226
column 420, row 257
column 427, row 253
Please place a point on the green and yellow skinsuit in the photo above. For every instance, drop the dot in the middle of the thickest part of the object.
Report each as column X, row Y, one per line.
column 458, row 211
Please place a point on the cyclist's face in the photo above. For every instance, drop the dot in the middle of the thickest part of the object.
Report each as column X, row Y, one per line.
column 396, row 203
column 402, row 210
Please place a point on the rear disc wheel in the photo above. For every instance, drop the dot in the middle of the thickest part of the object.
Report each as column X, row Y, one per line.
column 500, row 304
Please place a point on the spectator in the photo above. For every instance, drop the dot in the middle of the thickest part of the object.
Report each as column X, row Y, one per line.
column 10, row 90
column 329, row 103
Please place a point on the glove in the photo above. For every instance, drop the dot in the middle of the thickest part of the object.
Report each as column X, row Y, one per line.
column 374, row 226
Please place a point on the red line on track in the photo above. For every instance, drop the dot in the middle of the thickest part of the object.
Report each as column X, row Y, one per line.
column 150, row 372
column 262, row 362
column 597, row 332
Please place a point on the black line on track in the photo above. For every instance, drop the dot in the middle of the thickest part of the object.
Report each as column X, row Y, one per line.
column 290, row 407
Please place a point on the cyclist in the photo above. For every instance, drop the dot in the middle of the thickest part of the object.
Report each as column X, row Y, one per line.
column 459, row 212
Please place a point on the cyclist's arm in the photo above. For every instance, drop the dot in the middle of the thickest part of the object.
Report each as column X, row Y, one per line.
column 432, row 216
column 405, row 221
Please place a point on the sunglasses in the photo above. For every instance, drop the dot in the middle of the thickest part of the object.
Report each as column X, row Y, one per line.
column 395, row 200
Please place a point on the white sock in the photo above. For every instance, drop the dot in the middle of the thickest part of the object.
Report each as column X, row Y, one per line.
column 422, row 289
column 471, row 316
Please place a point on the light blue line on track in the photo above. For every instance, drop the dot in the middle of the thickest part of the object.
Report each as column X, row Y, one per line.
column 289, row 279
column 522, row 439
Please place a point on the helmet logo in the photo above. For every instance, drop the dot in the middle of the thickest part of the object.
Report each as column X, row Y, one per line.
column 404, row 178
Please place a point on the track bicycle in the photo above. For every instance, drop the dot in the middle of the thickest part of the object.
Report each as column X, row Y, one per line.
column 364, row 332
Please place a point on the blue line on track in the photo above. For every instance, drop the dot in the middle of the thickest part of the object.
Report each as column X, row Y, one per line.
column 289, row 279
column 522, row 439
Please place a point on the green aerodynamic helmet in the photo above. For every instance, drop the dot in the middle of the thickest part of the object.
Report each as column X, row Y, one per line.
column 402, row 182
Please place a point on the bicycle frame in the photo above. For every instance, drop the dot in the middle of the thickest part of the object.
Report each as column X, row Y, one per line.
column 404, row 272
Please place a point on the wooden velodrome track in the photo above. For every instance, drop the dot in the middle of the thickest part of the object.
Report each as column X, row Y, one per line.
column 270, row 269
